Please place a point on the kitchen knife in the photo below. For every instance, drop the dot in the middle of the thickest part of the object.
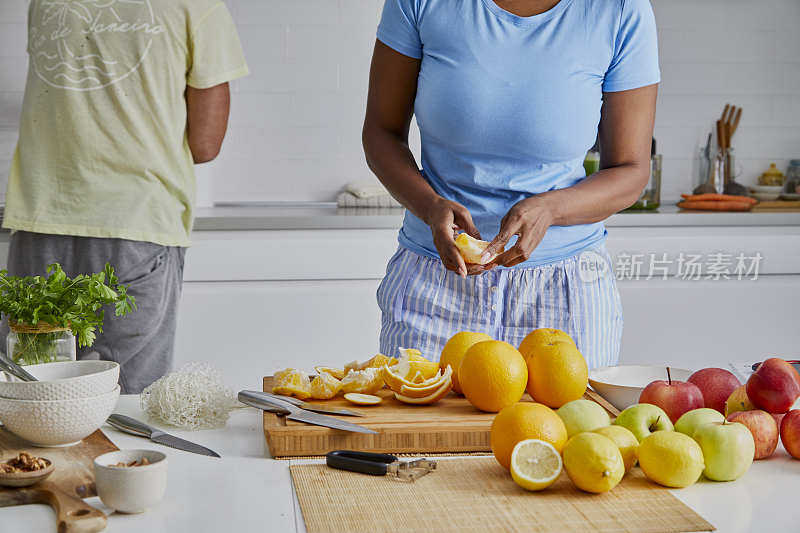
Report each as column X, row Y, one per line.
column 140, row 429
column 311, row 406
column 258, row 400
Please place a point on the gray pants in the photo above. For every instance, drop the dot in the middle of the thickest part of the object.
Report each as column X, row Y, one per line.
column 141, row 342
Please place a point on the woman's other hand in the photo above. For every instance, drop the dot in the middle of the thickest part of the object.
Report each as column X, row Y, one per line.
column 445, row 219
column 528, row 219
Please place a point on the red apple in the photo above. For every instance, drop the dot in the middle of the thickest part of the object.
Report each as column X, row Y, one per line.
column 716, row 384
column 774, row 386
column 790, row 433
column 764, row 430
column 674, row 397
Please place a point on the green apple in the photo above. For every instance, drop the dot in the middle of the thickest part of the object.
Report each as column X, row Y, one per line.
column 728, row 449
column 583, row 415
column 643, row 419
column 690, row 421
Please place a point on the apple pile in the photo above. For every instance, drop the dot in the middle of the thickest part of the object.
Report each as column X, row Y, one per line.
column 715, row 396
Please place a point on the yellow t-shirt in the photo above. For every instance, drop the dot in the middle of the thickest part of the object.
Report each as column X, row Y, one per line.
column 102, row 149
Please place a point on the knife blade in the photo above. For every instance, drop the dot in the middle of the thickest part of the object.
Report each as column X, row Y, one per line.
column 301, row 415
column 262, row 401
column 311, row 406
column 172, row 441
column 132, row 426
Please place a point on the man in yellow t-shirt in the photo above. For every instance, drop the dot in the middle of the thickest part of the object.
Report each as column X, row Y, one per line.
column 122, row 97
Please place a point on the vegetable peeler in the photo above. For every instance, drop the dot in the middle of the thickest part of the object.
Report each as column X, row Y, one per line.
column 379, row 464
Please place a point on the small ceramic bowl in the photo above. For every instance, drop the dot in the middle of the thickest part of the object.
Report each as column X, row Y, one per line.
column 26, row 479
column 131, row 489
column 622, row 385
column 57, row 422
column 64, row 380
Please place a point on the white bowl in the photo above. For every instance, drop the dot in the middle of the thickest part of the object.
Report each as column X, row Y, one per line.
column 131, row 489
column 57, row 422
column 767, row 188
column 622, row 385
column 64, row 380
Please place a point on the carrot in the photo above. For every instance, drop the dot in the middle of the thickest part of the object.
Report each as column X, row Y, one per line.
column 715, row 205
column 718, row 197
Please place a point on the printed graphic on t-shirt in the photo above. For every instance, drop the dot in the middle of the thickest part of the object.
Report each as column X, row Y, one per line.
column 72, row 42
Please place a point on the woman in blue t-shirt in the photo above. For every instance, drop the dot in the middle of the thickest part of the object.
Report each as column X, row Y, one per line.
column 509, row 95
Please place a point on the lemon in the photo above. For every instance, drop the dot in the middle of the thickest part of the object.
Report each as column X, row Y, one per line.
column 625, row 441
column 492, row 375
column 535, row 464
column 593, row 462
column 362, row 399
column 453, row 352
column 671, row 459
column 522, row 421
column 557, row 373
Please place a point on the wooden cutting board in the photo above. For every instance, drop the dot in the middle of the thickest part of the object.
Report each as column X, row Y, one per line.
column 449, row 426
column 477, row 494
column 72, row 479
column 788, row 206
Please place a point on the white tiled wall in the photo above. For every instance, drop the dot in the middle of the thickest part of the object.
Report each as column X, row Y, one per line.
column 296, row 121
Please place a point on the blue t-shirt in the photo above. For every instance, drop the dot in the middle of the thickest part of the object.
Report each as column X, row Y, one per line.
column 508, row 106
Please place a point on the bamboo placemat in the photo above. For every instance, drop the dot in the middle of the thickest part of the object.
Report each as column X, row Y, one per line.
column 478, row 495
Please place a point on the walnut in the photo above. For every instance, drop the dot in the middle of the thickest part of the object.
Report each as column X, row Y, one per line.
column 25, row 462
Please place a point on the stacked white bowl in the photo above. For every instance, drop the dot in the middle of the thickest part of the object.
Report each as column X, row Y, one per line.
column 70, row 401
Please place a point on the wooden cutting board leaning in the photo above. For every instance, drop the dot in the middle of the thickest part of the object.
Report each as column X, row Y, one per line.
column 72, row 479
column 451, row 425
column 477, row 494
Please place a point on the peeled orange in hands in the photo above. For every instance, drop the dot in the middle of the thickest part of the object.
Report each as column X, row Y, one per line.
column 453, row 352
column 492, row 375
column 471, row 249
column 557, row 371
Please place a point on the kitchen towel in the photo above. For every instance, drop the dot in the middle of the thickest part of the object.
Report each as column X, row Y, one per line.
column 366, row 194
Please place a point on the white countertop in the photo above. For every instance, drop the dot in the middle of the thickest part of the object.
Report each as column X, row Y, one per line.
column 244, row 491
column 324, row 216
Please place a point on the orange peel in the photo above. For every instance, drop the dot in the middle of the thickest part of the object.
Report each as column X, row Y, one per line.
column 434, row 397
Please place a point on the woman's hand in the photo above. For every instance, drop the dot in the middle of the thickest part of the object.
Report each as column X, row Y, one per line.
column 529, row 219
column 445, row 217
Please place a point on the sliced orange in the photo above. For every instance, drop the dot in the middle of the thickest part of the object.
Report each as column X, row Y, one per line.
column 434, row 397
column 325, row 387
column 367, row 381
column 338, row 373
column 362, row 399
column 292, row 382
column 376, row 361
column 426, row 390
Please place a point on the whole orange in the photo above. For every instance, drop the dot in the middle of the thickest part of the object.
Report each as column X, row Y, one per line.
column 492, row 375
column 557, row 373
column 525, row 420
column 540, row 337
column 453, row 352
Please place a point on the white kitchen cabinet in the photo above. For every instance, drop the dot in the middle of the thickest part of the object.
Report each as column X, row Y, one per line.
column 260, row 295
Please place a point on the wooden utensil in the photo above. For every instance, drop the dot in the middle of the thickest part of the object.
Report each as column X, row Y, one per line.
column 72, row 477
column 448, row 426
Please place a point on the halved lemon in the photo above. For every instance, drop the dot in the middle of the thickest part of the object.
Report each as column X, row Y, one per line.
column 362, row 399
column 535, row 464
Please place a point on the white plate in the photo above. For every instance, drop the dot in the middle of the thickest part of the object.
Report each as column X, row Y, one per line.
column 766, row 196
column 790, row 196
column 622, row 385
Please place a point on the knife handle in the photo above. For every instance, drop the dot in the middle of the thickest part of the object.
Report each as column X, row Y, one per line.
column 130, row 425
column 374, row 464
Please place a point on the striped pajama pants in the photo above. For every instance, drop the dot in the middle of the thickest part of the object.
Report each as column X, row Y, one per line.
column 423, row 304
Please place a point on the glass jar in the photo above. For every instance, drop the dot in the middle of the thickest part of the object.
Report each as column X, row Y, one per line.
column 792, row 183
column 31, row 348
column 651, row 196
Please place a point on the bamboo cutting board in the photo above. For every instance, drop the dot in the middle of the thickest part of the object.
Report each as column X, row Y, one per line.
column 72, row 479
column 477, row 494
column 452, row 425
